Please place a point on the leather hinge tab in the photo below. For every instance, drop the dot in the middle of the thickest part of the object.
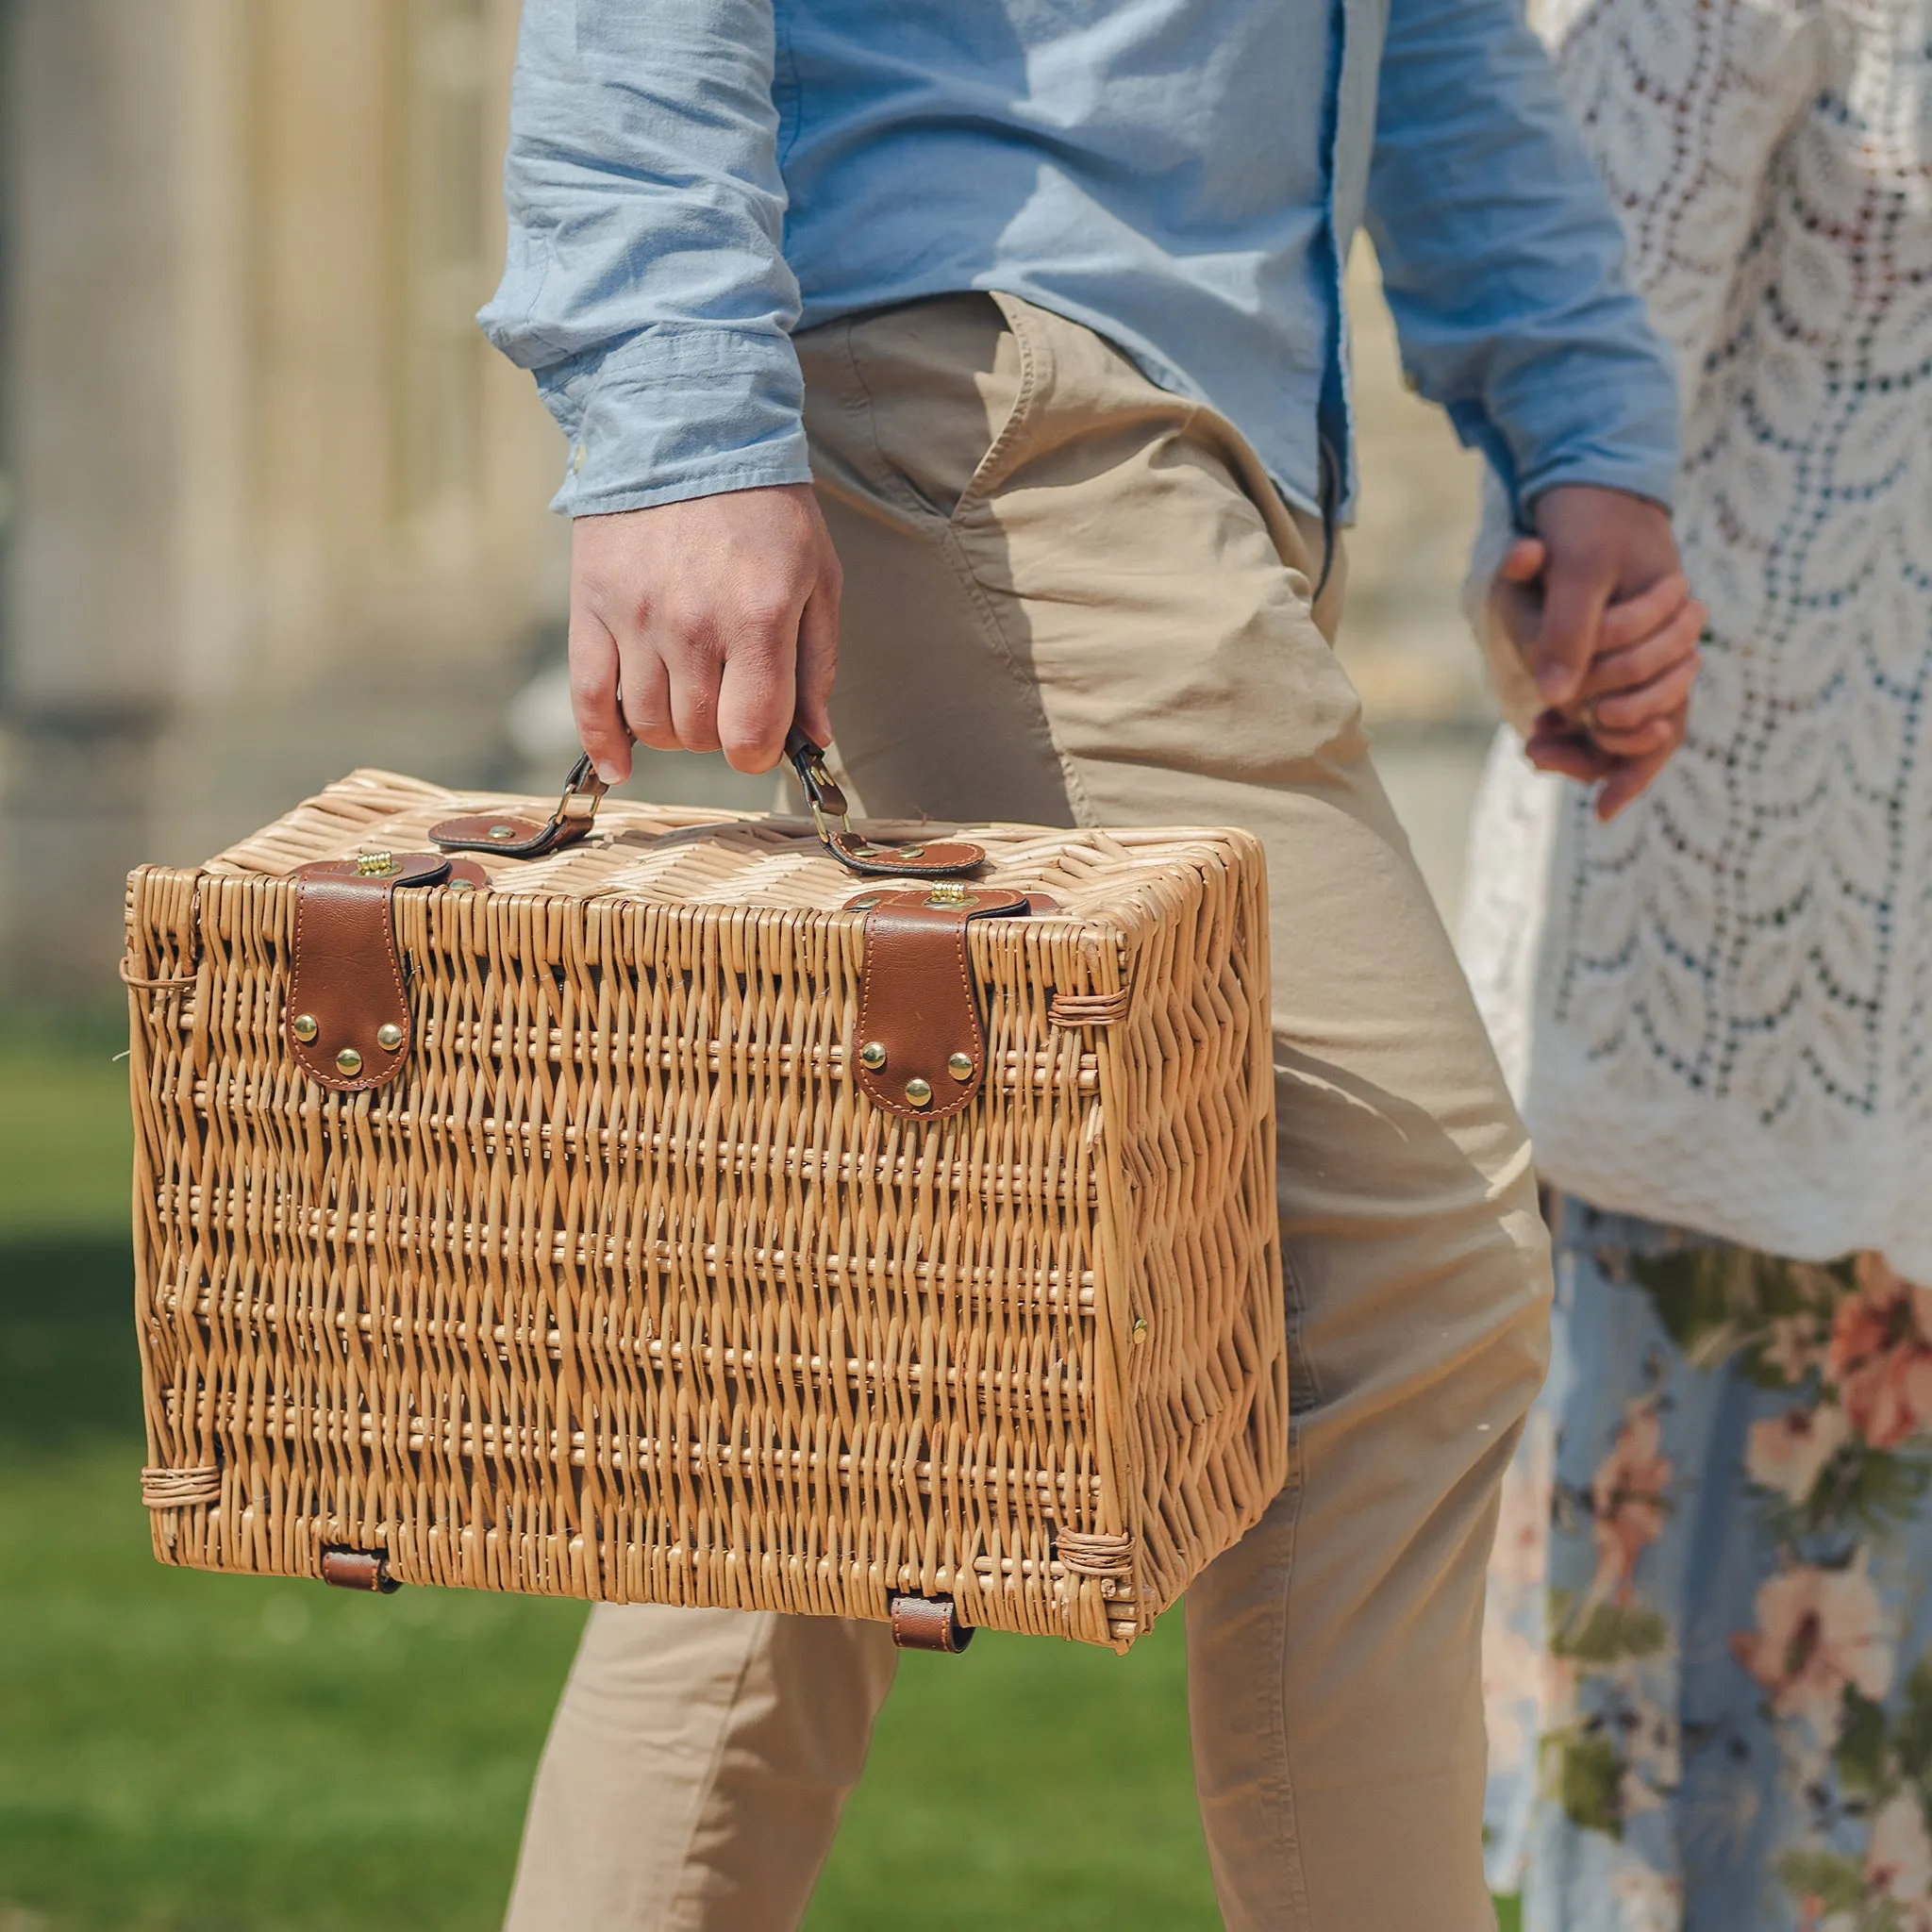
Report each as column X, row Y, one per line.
column 347, row 1024
column 921, row 1052
column 928, row 1623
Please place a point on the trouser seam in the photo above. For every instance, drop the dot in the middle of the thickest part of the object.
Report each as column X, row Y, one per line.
column 1292, row 1300
column 863, row 406
column 1036, row 373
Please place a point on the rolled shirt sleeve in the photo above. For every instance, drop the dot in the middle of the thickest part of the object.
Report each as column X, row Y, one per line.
column 1503, row 261
column 645, row 286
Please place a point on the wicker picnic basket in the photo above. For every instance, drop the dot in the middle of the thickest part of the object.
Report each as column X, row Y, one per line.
column 638, row 1205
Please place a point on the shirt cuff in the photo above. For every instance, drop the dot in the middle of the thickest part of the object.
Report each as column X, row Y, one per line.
column 674, row 413
column 1636, row 476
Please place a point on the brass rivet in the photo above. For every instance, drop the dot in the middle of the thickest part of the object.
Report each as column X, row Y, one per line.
column 913, row 852
column 960, row 1066
column 388, row 1037
column 1139, row 1329
column 462, row 885
column 305, row 1028
column 348, row 1062
column 503, row 831
column 865, row 904
column 918, row 1091
column 872, row 1055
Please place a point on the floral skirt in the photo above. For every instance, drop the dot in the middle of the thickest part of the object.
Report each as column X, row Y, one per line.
column 1707, row 1660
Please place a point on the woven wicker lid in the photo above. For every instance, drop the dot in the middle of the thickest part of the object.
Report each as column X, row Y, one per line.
column 697, row 856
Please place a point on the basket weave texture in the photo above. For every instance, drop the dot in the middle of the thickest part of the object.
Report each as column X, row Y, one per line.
column 625, row 1290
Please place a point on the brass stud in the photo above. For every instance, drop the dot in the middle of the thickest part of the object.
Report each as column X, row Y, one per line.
column 303, row 1027
column 348, row 1062
column 462, row 885
column 502, row 832
column 913, row 852
column 872, row 1056
column 864, row 904
column 919, row 1091
column 1139, row 1329
column 960, row 1066
column 388, row 1037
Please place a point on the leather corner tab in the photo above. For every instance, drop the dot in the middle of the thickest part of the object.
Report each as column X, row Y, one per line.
column 347, row 1024
column 921, row 1052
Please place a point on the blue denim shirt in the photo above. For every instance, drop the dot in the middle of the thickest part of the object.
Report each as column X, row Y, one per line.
column 689, row 181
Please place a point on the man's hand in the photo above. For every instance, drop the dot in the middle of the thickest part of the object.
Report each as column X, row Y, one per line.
column 716, row 620
column 1603, row 616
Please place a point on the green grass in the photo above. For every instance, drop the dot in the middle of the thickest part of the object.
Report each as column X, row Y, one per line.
column 65, row 1145
column 183, row 1753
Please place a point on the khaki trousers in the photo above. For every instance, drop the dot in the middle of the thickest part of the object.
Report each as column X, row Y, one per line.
column 1072, row 598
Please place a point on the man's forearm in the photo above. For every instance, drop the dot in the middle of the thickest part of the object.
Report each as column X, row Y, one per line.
column 1502, row 261
column 646, row 285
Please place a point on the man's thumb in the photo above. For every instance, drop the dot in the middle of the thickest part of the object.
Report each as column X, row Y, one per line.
column 1572, row 608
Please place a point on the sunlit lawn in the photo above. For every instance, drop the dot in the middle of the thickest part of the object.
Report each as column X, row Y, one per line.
column 184, row 1753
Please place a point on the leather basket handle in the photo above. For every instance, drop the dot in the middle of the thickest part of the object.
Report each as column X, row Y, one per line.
column 577, row 811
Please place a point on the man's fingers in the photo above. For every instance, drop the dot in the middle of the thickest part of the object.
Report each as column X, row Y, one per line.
column 758, row 694
column 647, row 700
column 1630, row 620
column 1573, row 601
column 817, row 659
column 593, row 696
column 695, row 673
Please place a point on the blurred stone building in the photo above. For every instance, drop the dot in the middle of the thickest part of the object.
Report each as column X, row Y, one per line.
column 273, row 509
column 270, row 508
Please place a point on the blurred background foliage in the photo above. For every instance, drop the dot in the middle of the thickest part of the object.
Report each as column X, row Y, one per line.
column 268, row 511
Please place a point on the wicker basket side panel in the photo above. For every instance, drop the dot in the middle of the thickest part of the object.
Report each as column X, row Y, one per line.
column 624, row 1291
column 162, row 971
column 1190, row 1078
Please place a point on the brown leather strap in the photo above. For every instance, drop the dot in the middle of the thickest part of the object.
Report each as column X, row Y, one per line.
column 928, row 1622
column 511, row 837
column 347, row 1024
column 937, row 858
column 517, row 838
column 922, row 1046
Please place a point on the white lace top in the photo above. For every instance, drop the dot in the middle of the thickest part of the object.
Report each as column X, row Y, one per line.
column 1718, row 1010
